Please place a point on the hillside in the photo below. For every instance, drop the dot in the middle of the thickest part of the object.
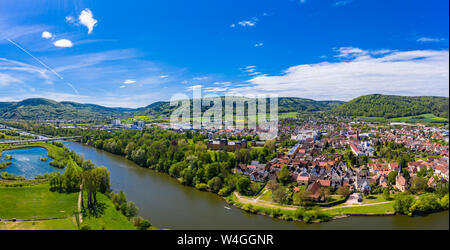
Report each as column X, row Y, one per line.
column 5, row 104
column 384, row 106
column 285, row 105
column 44, row 109
column 390, row 106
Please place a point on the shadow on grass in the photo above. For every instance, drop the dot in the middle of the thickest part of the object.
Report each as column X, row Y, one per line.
column 97, row 210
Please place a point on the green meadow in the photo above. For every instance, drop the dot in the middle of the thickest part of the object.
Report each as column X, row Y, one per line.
column 425, row 118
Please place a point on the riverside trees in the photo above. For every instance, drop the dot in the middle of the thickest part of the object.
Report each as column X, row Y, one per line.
column 183, row 156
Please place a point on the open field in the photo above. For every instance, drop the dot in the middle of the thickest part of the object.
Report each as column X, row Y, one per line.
column 60, row 224
column 35, row 202
column 425, row 118
column 374, row 205
column 369, row 209
column 112, row 219
column 373, row 198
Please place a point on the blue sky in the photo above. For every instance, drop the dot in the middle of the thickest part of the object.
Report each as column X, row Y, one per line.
column 133, row 53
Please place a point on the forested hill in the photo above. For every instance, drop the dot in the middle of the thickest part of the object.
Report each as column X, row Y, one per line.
column 285, row 105
column 386, row 106
column 44, row 109
column 390, row 106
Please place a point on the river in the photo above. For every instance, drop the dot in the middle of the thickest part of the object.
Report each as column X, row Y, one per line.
column 168, row 204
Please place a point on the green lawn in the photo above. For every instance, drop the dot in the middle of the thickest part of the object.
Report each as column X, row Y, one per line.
column 35, row 202
column 267, row 196
column 373, row 198
column 425, row 118
column 375, row 209
column 61, row 224
column 110, row 220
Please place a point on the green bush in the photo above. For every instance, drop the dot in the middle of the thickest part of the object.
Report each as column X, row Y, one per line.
column 201, row 186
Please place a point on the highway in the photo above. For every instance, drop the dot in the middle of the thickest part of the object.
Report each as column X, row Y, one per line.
column 10, row 142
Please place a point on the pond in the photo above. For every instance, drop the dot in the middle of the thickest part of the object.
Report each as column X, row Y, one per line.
column 27, row 162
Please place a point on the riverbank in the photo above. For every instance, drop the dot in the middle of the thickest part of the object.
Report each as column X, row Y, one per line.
column 308, row 214
column 170, row 205
column 315, row 214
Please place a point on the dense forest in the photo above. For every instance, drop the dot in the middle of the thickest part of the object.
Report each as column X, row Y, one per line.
column 389, row 106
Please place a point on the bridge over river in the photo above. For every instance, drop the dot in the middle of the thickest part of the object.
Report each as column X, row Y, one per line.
column 11, row 142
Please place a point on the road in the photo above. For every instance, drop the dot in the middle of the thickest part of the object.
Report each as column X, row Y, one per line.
column 10, row 142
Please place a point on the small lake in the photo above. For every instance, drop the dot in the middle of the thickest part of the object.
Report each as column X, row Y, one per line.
column 27, row 162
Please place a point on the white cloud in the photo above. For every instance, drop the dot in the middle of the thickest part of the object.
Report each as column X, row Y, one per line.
column 13, row 31
column 247, row 23
column 129, row 81
column 250, row 70
column 342, row 3
column 259, row 44
column 215, row 89
column 70, row 19
column 86, row 18
column 200, row 78
column 222, row 83
column 47, row 35
column 429, row 39
column 349, row 52
column 418, row 72
column 6, row 80
column 64, row 43
column 190, row 88
column 123, row 86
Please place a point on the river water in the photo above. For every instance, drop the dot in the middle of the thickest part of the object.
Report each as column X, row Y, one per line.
column 168, row 204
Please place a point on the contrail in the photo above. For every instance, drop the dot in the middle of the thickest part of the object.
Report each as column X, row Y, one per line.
column 45, row 65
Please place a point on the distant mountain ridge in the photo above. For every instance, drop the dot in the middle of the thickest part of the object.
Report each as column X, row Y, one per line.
column 391, row 106
column 45, row 109
column 285, row 105
column 387, row 106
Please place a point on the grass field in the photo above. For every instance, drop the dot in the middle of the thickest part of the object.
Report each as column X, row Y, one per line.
column 39, row 202
column 61, row 224
column 110, row 220
column 373, row 198
column 35, row 202
column 425, row 118
column 267, row 196
column 374, row 209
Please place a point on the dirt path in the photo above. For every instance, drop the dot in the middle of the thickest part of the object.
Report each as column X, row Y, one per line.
column 257, row 201
column 79, row 205
column 263, row 202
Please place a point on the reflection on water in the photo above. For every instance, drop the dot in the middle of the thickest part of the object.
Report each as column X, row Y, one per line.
column 27, row 162
column 168, row 204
